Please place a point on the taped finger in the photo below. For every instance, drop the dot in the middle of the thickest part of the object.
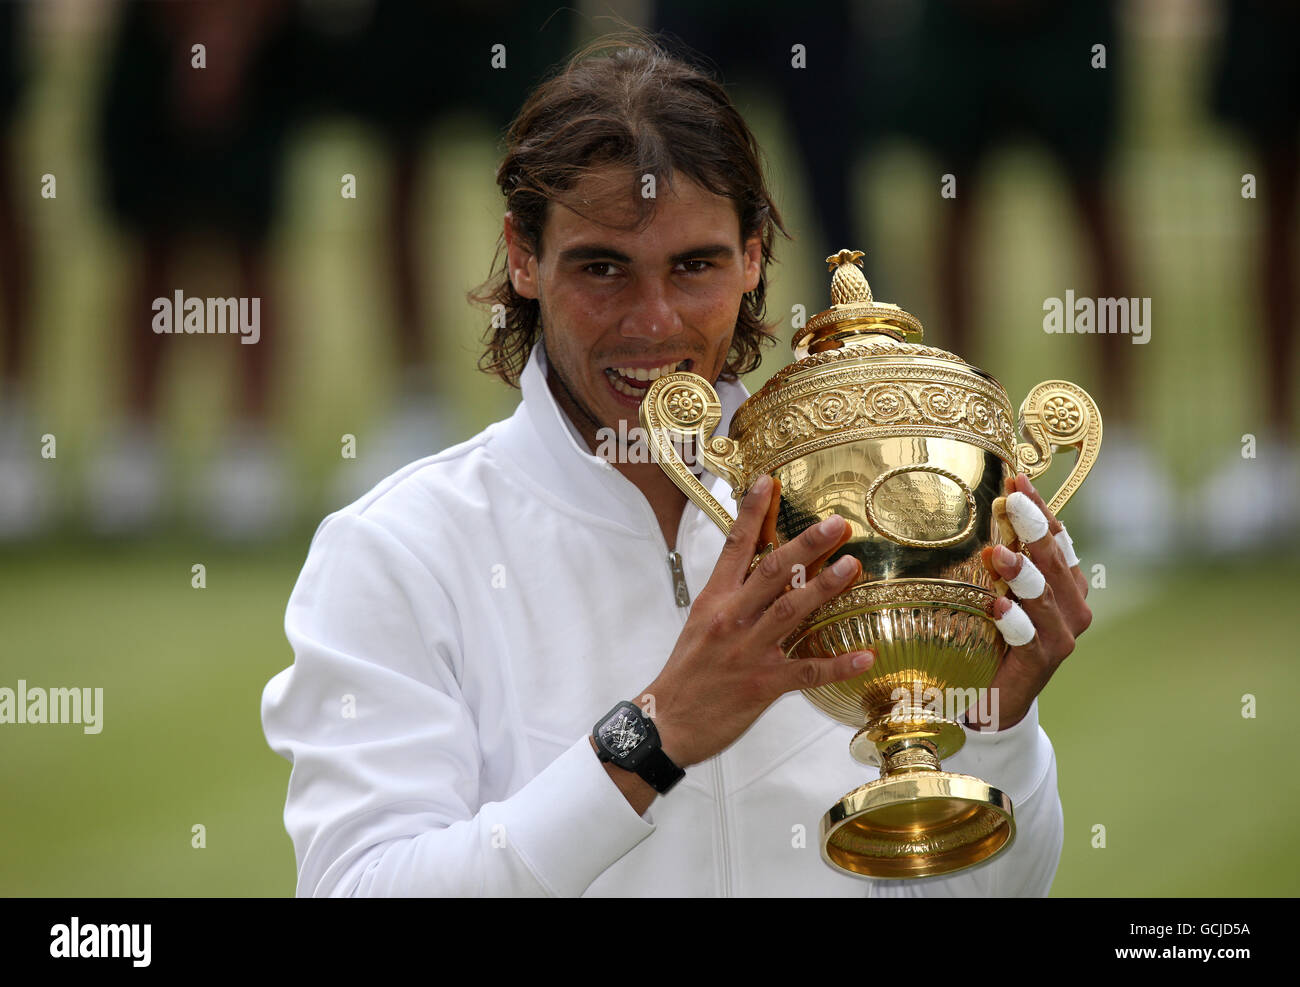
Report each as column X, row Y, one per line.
column 1028, row 583
column 1015, row 625
column 1066, row 545
column 1029, row 522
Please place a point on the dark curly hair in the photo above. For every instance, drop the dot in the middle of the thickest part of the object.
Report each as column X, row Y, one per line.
column 628, row 101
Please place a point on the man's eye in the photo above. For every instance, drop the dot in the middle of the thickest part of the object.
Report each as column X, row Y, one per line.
column 604, row 270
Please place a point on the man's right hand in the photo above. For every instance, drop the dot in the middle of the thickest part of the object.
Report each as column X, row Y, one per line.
column 728, row 665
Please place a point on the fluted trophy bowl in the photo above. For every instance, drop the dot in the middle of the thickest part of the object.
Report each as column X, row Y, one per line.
column 911, row 446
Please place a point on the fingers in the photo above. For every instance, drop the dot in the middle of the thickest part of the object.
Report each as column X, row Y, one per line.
column 1025, row 668
column 1027, row 518
column 1040, row 626
column 1034, row 531
column 791, row 607
column 1016, row 627
column 767, row 534
column 1025, row 579
column 777, row 571
column 1066, row 544
column 1038, row 615
column 1020, row 484
column 742, row 540
column 809, row 673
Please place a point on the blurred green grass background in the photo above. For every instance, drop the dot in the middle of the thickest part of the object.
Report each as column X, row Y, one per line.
column 1145, row 717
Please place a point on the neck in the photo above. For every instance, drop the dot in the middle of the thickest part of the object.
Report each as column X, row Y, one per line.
column 665, row 499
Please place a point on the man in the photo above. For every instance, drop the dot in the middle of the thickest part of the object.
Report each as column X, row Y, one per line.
column 460, row 629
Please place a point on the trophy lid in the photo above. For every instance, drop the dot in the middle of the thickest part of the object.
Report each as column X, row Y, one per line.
column 854, row 314
column 856, row 329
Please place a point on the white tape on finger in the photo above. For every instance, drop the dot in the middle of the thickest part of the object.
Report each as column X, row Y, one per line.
column 1026, row 518
column 1064, row 543
column 1028, row 582
column 1016, row 626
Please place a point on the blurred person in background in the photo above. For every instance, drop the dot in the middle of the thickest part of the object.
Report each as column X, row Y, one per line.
column 192, row 157
column 382, row 63
column 818, row 98
column 24, row 488
column 969, row 78
column 1256, row 90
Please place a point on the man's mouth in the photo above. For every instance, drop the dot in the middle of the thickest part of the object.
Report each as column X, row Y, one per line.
column 633, row 382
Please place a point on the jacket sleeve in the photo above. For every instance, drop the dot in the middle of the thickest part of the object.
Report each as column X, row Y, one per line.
column 384, row 792
column 1021, row 762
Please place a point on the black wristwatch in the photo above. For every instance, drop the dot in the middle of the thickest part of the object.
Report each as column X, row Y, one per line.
column 627, row 738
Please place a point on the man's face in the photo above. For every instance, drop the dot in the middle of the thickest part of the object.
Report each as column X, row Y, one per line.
column 617, row 306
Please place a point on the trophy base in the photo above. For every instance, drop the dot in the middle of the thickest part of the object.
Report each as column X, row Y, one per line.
column 917, row 824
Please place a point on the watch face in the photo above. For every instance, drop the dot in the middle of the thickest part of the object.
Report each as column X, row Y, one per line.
column 622, row 732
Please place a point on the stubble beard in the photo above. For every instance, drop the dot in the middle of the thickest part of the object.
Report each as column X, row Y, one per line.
column 586, row 423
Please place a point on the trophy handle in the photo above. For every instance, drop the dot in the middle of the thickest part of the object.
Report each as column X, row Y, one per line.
column 685, row 406
column 1057, row 413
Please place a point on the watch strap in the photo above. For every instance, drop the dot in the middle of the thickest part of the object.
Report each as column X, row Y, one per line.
column 659, row 772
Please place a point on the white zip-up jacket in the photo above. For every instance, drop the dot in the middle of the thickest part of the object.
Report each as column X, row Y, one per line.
column 459, row 630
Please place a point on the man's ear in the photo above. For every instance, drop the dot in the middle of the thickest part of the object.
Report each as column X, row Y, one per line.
column 753, row 262
column 521, row 261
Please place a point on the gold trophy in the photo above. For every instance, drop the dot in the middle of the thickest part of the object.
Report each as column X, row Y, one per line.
column 910, row 445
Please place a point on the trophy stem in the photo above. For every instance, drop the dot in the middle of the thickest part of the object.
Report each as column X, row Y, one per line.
column 927, row 735
column 909, row 756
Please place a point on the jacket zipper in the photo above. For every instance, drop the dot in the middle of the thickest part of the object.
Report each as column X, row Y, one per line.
column 680, row 591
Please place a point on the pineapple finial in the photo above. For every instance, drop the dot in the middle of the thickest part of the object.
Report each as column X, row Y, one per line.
column 849, row 283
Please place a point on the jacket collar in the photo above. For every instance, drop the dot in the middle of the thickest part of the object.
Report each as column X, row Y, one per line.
column 540, row 440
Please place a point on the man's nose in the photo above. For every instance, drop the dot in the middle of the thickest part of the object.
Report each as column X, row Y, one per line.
column 653, row 316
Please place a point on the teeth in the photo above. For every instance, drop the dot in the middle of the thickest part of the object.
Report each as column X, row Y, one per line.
column 623, row 388
column 643, row 374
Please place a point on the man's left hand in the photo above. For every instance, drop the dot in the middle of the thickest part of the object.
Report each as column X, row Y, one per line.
column 1054, row 605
